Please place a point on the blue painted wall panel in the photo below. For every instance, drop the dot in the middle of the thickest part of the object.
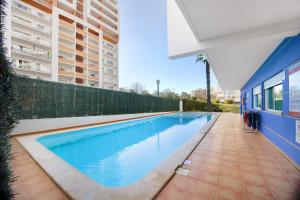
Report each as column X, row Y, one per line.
column 279, row 129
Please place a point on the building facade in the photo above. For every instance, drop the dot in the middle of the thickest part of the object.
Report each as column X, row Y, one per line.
column 274, row 92
column 255, row 53
column 67, row 41
column 224, row 95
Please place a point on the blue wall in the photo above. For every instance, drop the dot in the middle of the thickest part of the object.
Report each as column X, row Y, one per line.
column 278, row 128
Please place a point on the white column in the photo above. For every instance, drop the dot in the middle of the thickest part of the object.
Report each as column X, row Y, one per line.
column 181, row 105
column 55, row 27
column 7, row 31
column 101, row 67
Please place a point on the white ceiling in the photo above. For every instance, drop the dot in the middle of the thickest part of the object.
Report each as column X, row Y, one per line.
column 236, row 35
column 234, row 64
column 215, row 18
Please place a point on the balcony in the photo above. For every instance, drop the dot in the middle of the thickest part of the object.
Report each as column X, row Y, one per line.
column 109, row 55
column 43, row 4
column 97, row 22
column 102, row 16
column 101, row 6
column 65, row 48
column 32, row 68
column 80, row 31
column 80, row 42
column 80, row 53
column 93, row 78
column 80, row 75
column 110, row 46
column 94, row 37
column 66, row 61
column 66, row 24
column 28, row 25
column 66, row 36
column 80, row 64
column 44, row 56
column 93, row 57
column 93, row 67
column 19, row 7
column 30, row 39
column 64, row 72
column 112, row 6
column 94, row 47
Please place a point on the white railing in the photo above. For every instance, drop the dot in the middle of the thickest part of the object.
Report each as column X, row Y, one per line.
column 30, row 39
column 25, row 8
column 40, row 55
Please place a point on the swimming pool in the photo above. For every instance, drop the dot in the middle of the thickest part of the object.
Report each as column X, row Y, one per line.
column 122, row 153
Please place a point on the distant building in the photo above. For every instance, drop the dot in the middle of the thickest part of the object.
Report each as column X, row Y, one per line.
column 223, row 95
column 67, row 41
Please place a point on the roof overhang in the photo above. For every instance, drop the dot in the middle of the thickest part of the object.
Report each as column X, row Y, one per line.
column 236, row 36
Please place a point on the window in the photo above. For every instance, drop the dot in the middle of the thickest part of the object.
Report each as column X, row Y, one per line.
column 109, row 62
column 257, row 97
column 273, row 93
column 109, row 70
column 22, row 6
column 40, row 15
column 40, row 27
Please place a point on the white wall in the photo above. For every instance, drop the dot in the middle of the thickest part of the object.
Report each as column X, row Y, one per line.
column 36, row 125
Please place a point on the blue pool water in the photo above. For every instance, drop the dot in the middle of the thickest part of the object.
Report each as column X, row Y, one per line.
column 122, row 153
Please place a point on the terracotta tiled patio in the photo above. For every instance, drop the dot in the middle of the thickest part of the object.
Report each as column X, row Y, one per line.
column 234, row 165
column 32, row 182
column 227, row 164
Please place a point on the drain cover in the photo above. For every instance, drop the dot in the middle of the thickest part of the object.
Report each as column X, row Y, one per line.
column 187, row 162
column 182, row 171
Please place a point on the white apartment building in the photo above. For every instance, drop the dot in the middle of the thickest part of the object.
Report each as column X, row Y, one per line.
column 67, row 41
column 224, row 95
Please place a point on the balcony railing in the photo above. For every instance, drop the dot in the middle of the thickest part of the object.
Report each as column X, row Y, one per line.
column 32, row 68
column 64, row 72
column 66, row 61
column 64, row 23
column 43, row 3
column 65, row 48
column 80, row 64
column 93, row 67
column 24, row 8
column 30, row 39
column 93, row 78
column 36, row 54
column 30, row 25
column 80, row 75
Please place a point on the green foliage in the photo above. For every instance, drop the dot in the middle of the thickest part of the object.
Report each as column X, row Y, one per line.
column 229, row 101
column 44, row 99
column 235, row 108
column 6, row 117
column 190, row 105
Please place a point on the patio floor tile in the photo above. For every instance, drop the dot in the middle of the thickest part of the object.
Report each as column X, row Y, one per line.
column 231, row 164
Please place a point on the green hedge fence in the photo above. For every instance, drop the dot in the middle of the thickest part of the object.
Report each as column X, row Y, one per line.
column 191, row 105
column 45, row 99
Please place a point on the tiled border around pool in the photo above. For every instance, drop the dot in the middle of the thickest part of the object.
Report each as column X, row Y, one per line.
column 78, row 186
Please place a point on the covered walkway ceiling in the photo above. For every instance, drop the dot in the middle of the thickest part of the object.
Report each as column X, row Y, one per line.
column 237, row 36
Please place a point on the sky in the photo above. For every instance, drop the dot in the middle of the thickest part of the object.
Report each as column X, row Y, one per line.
column 143, row 50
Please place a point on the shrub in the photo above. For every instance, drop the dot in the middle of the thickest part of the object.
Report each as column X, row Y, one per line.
column 228, row 101
column 190, row 105
column 6, row 117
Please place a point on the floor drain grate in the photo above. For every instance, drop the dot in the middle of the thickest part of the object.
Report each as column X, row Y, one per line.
column 182, row 171
column 187, row 162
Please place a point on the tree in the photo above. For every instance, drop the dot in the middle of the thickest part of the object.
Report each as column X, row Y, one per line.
column 138, row 88
column 168, row 93
column 203, row 59
column 6, row 117
column 185, row 95
column 200, row 94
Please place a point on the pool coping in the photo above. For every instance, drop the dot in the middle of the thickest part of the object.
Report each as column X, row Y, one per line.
column 66, row 176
